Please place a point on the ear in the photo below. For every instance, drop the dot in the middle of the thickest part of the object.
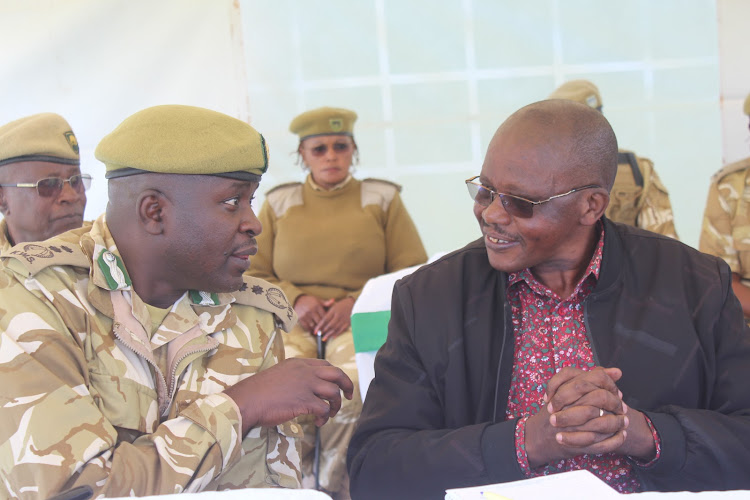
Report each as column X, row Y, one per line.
column 3, row 203
column 596, row 202
column 152, row 207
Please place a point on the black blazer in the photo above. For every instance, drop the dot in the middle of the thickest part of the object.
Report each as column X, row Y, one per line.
column 434, row 416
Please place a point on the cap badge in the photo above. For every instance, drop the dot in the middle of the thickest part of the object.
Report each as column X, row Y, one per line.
column 71, row 138
column 337, row 124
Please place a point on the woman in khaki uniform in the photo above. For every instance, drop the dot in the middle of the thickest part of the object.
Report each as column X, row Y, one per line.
column 322, row 240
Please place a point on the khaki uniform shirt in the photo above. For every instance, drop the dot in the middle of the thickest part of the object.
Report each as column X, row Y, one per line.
column 726, row 220
column 329, row 243
column 89, row 396
column 647, row 206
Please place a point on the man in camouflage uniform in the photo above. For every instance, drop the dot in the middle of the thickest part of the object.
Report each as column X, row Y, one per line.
column 726, row 222
column 638, row 197
column 42, row 191
column 137, row 359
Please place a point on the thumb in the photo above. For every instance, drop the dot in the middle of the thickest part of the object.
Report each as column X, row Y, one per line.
column 614, row 373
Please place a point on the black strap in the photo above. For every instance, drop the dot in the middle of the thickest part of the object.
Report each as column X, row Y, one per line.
column 83, row 492
column 629, row 158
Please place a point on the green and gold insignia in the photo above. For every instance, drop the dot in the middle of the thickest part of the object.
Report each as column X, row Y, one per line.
column 71, row 138
column 113, row 270
column 264, row 147
column 337, row 124
column 203, row 298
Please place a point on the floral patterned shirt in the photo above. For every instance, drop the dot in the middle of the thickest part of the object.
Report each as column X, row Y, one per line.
column 550, row 334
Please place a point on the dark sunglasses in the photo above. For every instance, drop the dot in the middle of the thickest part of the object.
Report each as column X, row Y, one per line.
column 338, row 147
column 514, row 205
column 51, row 186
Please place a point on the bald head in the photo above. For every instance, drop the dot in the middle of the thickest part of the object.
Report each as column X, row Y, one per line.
column 575, row 139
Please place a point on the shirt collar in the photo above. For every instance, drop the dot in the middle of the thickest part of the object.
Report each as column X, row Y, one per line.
column 108, row 270
column 338, row 186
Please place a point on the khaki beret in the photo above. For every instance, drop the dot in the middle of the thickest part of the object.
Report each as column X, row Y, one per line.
column 324, row 121
column 747, row 105
column 42, row 137
column 175, row 139
column 582, row 91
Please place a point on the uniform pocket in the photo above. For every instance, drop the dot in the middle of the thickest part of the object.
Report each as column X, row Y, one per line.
column 125, row 403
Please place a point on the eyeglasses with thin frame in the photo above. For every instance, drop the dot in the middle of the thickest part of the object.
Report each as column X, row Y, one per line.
column 337, row 147
column 51, row 186
column 516, row 206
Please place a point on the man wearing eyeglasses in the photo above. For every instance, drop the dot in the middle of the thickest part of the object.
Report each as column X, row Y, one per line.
column 42, row 190
column 559, row 340
column 136, row 358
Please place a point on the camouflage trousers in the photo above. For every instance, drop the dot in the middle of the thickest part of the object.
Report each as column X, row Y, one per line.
column 336, row 433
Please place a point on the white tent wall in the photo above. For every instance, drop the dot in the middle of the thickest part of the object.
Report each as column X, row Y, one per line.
column 97, row 62
column 734, row 70
column 672, row 74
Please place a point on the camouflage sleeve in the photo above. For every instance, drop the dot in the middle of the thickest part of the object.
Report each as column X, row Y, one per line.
column 261, row 265
column 717, row 232
column 54, row 431
column 655, row 209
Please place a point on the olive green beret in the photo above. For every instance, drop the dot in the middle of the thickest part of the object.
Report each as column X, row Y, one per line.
column 174, row 139
column 747, row 105
column 582, row 91
column 43, row 137
column 324, row 121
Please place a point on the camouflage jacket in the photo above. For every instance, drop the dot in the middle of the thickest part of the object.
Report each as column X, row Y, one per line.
column 89, row 396
column 726, row 219
column 643, row 202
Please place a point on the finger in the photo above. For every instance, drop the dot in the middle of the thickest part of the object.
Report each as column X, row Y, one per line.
column 599, row 399
column 614, row 373
column 561, row 377
column 341, row 379
column 591, row 443
column 576, row 387
column 323, row 326
column 330, row 394
column 588, row 418
column 335, row 329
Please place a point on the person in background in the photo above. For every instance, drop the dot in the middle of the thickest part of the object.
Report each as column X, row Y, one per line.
column 558, row 341
column 726, row 222
column 322, row 240
column 137, row 357
column 42, row 190
column 638, row 197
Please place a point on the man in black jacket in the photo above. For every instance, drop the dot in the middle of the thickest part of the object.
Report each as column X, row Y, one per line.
column 559, row 340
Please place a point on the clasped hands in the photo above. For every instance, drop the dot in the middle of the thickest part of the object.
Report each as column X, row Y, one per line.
column 329, row 317
column 585, row 414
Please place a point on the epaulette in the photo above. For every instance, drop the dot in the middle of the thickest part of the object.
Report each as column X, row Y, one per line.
column 62, row 250
column 268, row 297
column 730, row 169
column 281, row 198
column 383, row 181
column 282, row 186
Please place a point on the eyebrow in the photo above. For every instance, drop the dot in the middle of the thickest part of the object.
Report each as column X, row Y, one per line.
column 513, row 190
